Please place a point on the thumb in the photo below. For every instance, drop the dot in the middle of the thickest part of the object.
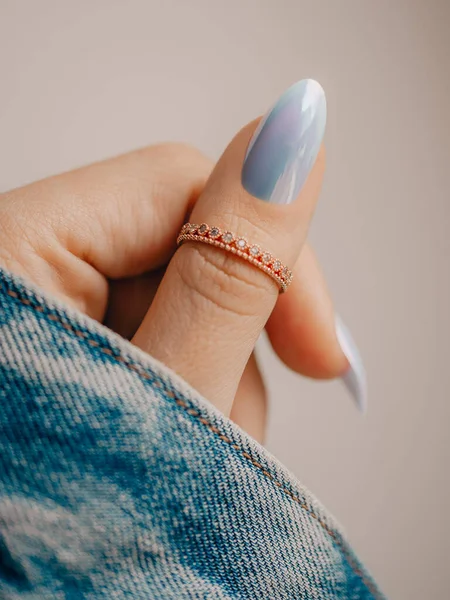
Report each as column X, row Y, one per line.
column 211, row 305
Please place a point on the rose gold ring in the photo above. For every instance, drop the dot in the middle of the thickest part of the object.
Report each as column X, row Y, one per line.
column 252, row 253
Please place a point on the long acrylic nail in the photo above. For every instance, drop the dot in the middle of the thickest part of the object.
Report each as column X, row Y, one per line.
column 285, row 145
column 355, row 377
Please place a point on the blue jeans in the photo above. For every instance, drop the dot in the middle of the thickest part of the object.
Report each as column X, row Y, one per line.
column 117, row 480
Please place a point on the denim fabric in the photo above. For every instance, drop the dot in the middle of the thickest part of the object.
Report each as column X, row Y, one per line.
column 117, row 480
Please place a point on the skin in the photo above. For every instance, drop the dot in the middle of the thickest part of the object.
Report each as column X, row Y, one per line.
column 102, row 239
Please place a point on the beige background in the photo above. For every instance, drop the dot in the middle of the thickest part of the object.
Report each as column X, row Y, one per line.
column 86, row 79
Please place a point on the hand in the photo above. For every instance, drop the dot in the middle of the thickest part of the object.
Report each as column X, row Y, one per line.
column 100, row 238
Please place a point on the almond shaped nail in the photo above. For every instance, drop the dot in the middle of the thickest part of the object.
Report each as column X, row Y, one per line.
column 285, row 145
column 354, row 378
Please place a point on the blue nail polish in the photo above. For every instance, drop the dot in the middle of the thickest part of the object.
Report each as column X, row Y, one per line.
column 285, row 145
column 355, row 377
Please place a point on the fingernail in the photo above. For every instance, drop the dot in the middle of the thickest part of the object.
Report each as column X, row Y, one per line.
column 354, row 378
column 285, row 145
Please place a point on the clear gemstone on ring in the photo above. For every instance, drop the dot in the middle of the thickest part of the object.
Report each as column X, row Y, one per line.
column 266, row 258
column 286, row 273
column 255, row 251
column 203, row 228
column 214, row 233
column 192, row 227
column 227, row 237
column 277, row 266
column 241, row 244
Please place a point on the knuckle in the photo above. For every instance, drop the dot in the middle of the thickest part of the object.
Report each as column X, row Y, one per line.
column 178, row 151
column 215, row 277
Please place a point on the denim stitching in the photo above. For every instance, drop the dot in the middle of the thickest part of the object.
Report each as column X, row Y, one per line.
column 141, row 372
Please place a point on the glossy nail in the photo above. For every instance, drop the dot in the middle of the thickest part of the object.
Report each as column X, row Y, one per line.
column 285, row 145
column 355, row 377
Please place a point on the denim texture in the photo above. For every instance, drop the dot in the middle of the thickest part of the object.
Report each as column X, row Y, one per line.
column 118, row 480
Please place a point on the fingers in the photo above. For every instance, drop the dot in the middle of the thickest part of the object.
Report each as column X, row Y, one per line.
column 211, row 306
column 309, row 337
column 250, row 404
column 113, row 219
column 302, row 327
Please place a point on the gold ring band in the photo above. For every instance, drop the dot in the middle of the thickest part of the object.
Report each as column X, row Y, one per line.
column 239, row 246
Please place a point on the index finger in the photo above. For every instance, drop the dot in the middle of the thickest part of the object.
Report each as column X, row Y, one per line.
column 116, row 218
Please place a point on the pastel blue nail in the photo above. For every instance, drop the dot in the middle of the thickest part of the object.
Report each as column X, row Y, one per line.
column 285, row 145
column 354, row 378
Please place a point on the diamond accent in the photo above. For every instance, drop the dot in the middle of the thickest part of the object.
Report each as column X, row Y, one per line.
column 277, row 266
column 239, row 246
column 227, row 237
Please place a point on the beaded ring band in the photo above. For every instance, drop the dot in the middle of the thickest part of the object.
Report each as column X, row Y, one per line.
column 239, row 246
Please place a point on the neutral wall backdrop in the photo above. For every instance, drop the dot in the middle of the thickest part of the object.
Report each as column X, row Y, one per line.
column 87, row 79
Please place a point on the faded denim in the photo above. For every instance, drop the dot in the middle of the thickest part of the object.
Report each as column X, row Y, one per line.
column 117, row 480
